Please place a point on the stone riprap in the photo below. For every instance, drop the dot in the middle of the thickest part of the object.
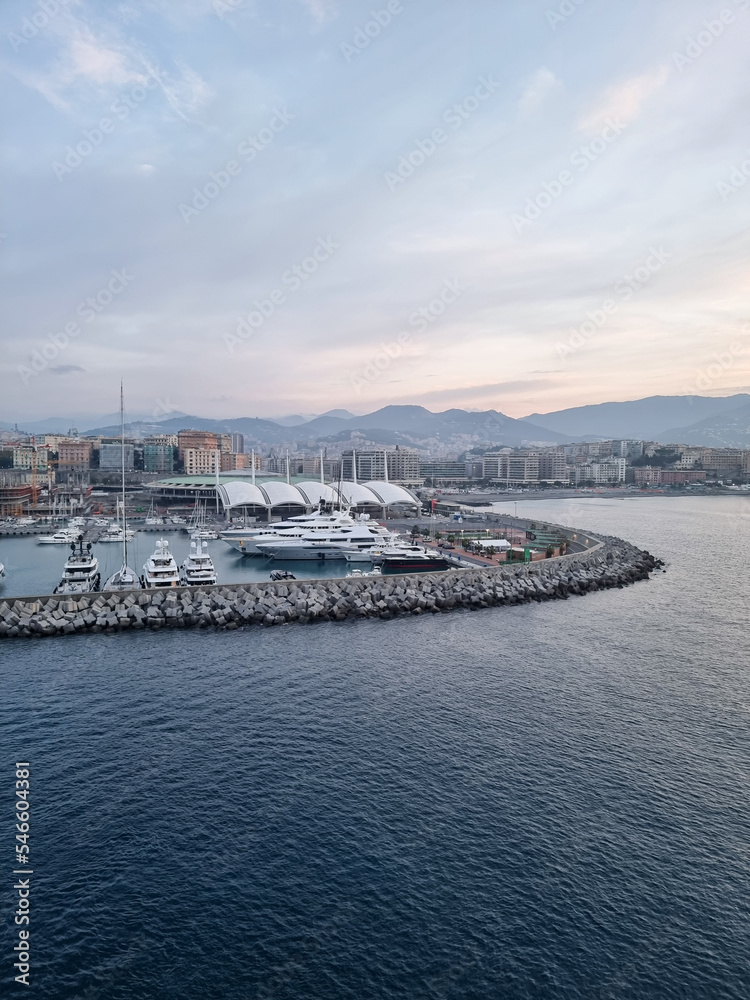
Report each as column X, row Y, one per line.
column 610, row 562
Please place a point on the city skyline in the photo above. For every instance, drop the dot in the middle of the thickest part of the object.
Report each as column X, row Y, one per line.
column 520, row 209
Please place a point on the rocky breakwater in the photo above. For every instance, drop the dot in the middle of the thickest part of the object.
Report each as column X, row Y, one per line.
column 610, row 563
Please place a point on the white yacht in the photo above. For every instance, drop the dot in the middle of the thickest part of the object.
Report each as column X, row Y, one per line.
column 62, row 537
column 115, row 533
column 81, row 572
column 160, row 569
column 204, row 534
column 344, row 541
column 358, row 555
column 198, row 568
column 317, row 524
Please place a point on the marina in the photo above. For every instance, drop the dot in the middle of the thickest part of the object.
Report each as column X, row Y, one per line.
column 604, row 563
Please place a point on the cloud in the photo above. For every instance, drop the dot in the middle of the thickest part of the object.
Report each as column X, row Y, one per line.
column 65, row 369
column 541, row 85
column 624, row 100
column 187, row 95
column 481, row 391
column 90, row 59
column 321, row 10
column 89, row 67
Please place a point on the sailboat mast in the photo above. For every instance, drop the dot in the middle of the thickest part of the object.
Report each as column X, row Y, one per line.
column 122, row 459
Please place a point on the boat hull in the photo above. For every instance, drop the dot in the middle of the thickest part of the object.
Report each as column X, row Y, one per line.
column 302, row 553
column 411, row 565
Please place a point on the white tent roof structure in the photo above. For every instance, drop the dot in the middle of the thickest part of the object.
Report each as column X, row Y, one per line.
column 241, row 493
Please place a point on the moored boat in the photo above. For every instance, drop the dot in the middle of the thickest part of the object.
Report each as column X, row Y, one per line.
column 411, row 558
column 198, row 567
column 81, row 571
column 62, row 537
column 160, row 569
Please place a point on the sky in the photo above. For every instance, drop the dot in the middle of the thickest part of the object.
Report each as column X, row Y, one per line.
column 259, row 208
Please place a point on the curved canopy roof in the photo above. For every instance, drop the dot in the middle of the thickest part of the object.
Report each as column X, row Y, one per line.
column 241, row 493
column 389, row 493
column 315, row 492
column 280, row 492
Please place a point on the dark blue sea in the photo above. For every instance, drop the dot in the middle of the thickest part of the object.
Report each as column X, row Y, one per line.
column 546, row 801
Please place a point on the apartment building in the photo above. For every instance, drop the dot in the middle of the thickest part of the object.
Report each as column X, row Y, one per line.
column 553, row 468
column 200, row 461
column 511, row 467
column 196, row 441
column 445, row 471
column 402, row 466
column 74, row 456
column 237, row 460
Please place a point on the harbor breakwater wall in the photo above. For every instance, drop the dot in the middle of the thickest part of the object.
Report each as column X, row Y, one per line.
column 610, row 562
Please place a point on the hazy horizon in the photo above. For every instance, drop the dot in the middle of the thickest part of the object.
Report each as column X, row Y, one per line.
column 260, row 209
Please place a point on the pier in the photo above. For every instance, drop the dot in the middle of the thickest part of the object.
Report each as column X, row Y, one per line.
column 604, row 563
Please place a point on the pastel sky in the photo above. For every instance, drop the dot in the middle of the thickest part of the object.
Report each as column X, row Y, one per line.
column 291, row 206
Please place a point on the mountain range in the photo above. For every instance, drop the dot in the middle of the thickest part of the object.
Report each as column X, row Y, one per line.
column 668, row 419
column 713, row 421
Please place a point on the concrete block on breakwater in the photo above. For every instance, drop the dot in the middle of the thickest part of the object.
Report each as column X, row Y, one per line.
column 610, row 562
